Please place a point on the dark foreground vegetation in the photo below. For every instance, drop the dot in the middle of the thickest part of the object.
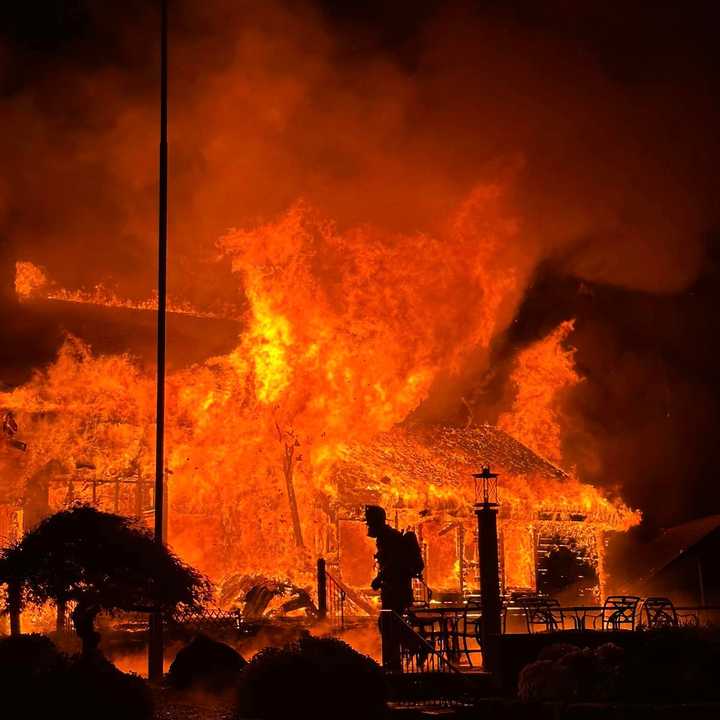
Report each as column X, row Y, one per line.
column 319, row 678
column 672, row 666
column 669, row 673
column 41, row 682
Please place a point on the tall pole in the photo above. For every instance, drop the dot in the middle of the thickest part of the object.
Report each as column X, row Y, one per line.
column 155, row 652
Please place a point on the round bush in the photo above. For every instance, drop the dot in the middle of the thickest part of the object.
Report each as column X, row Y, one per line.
column 321, row 678
column 26, row 657
column 206, row 664
column 95, row 688
column 31, row 673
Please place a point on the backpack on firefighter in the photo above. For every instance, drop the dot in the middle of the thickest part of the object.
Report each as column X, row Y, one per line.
column 412, row 555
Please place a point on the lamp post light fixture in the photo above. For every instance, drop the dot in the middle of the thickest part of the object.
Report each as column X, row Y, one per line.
column 486, row 488
column 486, row 507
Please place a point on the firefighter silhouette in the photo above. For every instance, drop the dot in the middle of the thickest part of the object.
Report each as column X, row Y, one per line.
column 399, row 561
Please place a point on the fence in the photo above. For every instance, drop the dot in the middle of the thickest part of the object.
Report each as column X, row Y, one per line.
column 210, row 618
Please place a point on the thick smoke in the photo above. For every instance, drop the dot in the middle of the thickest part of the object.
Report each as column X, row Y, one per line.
column 606, row 170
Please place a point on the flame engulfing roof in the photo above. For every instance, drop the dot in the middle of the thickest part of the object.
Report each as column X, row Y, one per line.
column 430, row 467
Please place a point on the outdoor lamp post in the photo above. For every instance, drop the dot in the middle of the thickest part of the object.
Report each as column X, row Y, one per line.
column 486, row 488
column 486, row 506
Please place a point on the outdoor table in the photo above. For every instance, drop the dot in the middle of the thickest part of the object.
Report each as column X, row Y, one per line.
column 579, row 613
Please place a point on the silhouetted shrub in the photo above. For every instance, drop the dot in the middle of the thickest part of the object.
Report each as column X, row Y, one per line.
column 669, row 665
column 556, row 651
column 674, row 665
column 31, row 671
column 567, row 673
column 95, row 688
column 206, row 664
column 319, row 678
column 26, row 656
column 36, row 677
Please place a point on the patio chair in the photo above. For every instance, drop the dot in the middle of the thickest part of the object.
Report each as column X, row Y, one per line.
column 619, row 612
column 467, row 632
column 542, row 614
column 658, row 612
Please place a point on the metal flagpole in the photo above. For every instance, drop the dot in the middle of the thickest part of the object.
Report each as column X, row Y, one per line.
column 155, row 651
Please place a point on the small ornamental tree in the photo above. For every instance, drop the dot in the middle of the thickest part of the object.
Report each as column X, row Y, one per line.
column 99, row 562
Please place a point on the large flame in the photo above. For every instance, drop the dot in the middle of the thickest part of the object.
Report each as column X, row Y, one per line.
column 345, row 333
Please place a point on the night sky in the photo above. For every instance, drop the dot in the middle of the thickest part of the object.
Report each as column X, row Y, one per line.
column 646, row 345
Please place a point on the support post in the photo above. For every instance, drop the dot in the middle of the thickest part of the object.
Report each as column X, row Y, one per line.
column 139, row 495
column 117, row 494
column 701, row 587
column 60, row 616
column 461, row 558
column 14, row 605
column 321, row 589
column 489, row 585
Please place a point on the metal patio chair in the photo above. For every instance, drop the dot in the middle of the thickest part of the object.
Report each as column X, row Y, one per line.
column 619, row 612
column 542, row 614
column 658, row 612
column 468, row 632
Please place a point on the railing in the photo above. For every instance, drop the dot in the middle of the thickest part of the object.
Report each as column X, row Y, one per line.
column 336, row 601
column 405, row 650
column 336, row 597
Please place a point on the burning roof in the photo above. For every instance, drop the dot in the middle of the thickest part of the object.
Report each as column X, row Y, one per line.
column 429, row 468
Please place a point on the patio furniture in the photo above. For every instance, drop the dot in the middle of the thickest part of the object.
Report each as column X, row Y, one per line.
column 542, row 614
column 577, row 615
column 436, row 626
column 467, row 631
column 619, row 612
column 658, row 612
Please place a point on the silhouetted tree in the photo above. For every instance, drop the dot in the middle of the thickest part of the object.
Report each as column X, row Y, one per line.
column 99, row 561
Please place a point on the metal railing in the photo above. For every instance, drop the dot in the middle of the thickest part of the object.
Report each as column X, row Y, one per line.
column 405, row 650
column 336, row 601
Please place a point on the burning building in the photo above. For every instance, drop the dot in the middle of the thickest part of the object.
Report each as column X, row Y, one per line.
column 274, row 446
